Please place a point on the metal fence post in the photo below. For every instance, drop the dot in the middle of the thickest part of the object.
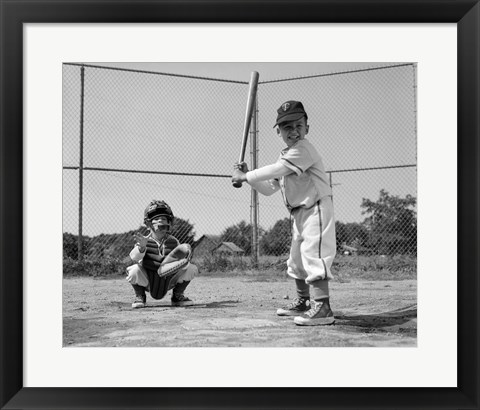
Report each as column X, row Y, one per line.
column 80, row 169
column 254, row 197
column 415, row 92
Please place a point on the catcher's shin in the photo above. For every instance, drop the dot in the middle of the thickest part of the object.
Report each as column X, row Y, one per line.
column 175, row 260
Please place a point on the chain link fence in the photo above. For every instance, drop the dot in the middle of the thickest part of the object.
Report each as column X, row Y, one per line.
column 130, row 136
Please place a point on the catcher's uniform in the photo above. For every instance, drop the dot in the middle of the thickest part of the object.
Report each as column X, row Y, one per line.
column 308, row 196
column 151, row 270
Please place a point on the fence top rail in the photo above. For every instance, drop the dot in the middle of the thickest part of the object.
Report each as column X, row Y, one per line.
column 134, row 70
column 193, row 174
column 359, row 70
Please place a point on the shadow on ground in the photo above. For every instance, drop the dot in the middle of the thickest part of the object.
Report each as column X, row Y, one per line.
column 213, row 305
column 380, row 321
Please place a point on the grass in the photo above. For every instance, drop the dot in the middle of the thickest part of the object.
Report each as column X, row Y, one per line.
column 269, row 269
column 378, row 267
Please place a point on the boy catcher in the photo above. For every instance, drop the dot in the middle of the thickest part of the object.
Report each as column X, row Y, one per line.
column 162, row 263
column 300, row 175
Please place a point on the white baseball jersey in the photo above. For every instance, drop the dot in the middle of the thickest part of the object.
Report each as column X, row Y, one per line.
column 309, row 183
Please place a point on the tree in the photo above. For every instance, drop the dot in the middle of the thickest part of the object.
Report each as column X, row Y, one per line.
column 240, row 235
column 392, row 223
column 119, row 245
column 183, row 230
column 351, row 233
column 277, row 240
column 70, row 245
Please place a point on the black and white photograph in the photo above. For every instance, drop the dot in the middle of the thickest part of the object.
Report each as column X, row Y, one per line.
column 249, row 205
column 239, row 204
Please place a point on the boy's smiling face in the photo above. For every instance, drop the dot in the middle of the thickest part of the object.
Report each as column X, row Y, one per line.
column 293, row 131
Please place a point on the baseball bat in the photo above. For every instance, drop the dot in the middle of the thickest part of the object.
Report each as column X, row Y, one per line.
column 252, row 94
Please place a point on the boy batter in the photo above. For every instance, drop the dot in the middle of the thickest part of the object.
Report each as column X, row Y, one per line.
column 150, row 251
column 300, row 175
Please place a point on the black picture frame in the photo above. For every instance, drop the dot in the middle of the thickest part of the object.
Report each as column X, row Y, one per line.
column 14, row 13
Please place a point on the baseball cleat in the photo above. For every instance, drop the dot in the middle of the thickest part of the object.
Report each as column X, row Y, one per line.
column 298, row 306
column 316, row 316
column 140, row 302
column 181, row 301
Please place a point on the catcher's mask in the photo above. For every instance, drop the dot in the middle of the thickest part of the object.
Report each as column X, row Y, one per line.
column 156, row 209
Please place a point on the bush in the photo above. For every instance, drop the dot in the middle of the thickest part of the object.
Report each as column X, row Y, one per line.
column 218, row 263
column 94, row 267
column 378, row 267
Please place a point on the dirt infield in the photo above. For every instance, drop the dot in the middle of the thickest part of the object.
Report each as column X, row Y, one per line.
column 237, row 311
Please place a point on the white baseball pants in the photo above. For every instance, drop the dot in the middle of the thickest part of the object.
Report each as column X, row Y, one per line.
column 313, row 247
column 136, row 275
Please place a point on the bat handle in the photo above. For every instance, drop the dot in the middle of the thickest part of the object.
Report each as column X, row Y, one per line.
column 239, row 184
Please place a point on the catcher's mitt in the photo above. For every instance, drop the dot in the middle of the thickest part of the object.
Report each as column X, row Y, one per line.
column 175, row 260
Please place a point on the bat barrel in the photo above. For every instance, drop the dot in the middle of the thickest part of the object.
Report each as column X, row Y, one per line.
column 252, row 94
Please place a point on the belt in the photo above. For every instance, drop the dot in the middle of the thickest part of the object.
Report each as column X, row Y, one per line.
column 291, row 209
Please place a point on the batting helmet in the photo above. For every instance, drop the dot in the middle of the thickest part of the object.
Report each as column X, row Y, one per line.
column 158, row 208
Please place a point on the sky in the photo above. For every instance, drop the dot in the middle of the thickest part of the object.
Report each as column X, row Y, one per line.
column 359, row 118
